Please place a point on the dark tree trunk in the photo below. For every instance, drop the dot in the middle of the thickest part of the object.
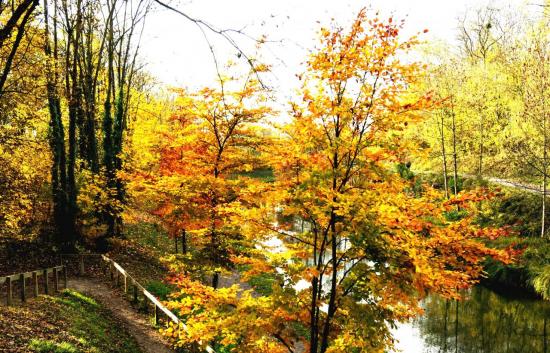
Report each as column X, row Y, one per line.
column 25, row 9
column 64, row 218
column 184, row 242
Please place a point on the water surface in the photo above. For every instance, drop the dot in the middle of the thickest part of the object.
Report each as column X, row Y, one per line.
column 485, row 322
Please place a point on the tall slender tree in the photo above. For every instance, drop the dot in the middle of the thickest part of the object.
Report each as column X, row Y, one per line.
column 19, row 15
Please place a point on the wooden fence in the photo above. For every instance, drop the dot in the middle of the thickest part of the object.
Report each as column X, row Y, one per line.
column 20, row 280
column 137, row 294
column 131, row 286
column 117, row 274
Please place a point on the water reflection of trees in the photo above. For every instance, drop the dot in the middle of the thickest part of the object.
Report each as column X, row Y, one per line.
column 485, row 323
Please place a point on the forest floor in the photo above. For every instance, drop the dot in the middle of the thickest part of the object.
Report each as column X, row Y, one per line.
column 70, row 322
column 89, row 316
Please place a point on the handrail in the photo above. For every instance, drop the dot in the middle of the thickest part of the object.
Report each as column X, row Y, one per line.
column 10, row 279
column 158, row 305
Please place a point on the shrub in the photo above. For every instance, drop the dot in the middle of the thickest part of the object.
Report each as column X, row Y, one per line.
column 159, row 289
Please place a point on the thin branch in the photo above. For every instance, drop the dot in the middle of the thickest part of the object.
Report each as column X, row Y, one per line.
column 224, row 33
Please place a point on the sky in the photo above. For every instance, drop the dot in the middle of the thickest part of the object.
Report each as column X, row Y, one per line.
column 176, row 53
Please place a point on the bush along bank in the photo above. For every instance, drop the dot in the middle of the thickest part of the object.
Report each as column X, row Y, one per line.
column 520, row 211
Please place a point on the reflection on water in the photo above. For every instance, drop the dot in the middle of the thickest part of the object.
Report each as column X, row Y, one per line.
column 484, row 322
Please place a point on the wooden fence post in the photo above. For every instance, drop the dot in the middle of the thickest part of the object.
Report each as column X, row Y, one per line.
column 55, row 280
column 65, row 276
column 144, row 305
column 81, row 265
column 23, row 288
column 9, row 293
column 35, row 282
column 46, row 284
column 157, row 315
column 135, row 299
column 125, row 284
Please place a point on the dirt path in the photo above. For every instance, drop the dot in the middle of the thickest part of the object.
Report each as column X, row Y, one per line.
column 532, row 188
column 137, row 324
column 536, row 189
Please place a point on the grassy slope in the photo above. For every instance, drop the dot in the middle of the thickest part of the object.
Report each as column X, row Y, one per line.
column 141, row 253
column 69, row 323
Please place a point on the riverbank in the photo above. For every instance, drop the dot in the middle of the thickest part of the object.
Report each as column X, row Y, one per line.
column 518, row 210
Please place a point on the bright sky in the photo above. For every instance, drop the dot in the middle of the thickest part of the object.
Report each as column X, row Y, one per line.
column 177, row 54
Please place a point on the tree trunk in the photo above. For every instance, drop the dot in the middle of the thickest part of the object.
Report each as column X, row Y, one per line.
column 544, row 337
column 184, row 242
column 313, row 328
column 215, row 280
column 334, row 254
column 543, row 216
column 455, row 158
column 481, row 148
column 118, row 130
column 74, row 112
column 108, row 149
column 64, row 216
column 444, row 157
column 333, row 290
column 456, row 326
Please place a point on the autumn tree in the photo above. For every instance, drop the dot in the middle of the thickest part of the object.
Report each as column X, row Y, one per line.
column 24, row 153
column 92, row 54
column 211, row 140
column 529, row 149
column 16, row 17
column 477, row 95
column 444, row 132
column 123, row 34
column 369, row 248
column 63, row 187
column 23, row 149
column 487, row 43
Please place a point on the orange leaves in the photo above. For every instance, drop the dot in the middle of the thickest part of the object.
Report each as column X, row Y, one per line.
column 447, row 254
column 338, row 239
column 469, row 198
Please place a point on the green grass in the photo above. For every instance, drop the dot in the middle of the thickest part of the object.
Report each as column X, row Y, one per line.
column 159, row 289
column 47, row 346
column 91, row 328
column 150, row 235
column 520, row 276
column 263, row 174
column 520, row 211
column 263, row 283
